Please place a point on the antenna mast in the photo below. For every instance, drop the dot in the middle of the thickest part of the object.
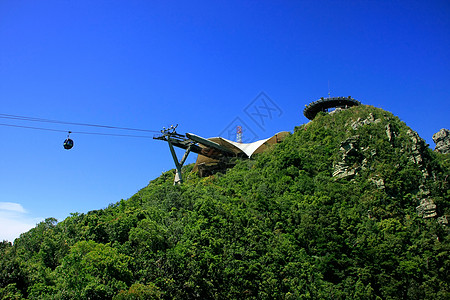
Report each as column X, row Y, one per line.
column 239, row 134
column 329, row 91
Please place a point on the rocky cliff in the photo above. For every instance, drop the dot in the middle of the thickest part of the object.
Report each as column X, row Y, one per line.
column 442, row 140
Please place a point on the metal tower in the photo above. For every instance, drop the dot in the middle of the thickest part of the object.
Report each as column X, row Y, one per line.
column 239, row 134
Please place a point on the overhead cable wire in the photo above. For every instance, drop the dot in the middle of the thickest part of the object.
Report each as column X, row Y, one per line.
column 29, row 127
column 76, row 132
column 33, row 119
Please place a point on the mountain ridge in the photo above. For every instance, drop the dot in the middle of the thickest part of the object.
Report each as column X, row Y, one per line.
column 352, row 205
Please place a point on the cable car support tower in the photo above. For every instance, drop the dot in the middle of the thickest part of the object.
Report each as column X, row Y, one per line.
column 191, row 143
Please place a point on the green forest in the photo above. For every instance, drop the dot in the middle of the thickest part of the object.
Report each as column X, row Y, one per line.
column 332, row 212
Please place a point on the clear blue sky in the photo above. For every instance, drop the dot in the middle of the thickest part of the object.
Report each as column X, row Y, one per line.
column 201, row 64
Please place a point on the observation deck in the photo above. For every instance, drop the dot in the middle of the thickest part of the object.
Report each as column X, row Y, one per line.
column 323, row 104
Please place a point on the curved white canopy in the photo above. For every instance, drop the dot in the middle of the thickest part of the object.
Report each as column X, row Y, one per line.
column 249, row 149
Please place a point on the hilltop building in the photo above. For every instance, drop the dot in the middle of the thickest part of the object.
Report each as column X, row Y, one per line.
column 214, row 154
column 324, row 104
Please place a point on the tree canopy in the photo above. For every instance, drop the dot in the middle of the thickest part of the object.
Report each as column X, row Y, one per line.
column 279, row 226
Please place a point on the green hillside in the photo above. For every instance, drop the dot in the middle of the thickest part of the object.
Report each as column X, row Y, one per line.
column 352, row 205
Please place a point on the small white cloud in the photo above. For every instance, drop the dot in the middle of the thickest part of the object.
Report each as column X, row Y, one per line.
column 11, row 229
column 14, row 220
column 11, row 206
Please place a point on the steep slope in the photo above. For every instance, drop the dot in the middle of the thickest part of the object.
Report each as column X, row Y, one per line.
column 352, row 205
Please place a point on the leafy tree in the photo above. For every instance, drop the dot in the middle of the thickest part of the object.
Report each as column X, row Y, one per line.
column 92, row 271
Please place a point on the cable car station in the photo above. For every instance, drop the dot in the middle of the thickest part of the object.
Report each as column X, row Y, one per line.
column 214, row 154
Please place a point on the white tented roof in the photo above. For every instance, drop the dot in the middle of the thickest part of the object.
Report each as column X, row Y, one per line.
column 248, row 149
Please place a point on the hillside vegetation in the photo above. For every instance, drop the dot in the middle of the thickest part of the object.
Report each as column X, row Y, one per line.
column 333, row 212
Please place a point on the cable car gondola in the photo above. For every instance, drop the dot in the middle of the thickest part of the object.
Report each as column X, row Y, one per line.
column 68, row 143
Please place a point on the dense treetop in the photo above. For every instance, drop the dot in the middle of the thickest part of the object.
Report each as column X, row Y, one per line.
column 280, row 226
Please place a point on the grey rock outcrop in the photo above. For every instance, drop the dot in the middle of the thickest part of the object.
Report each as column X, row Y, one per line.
column 442, row 140
column 348, row 165
column 443, row 220
column 418, row 147
column 378, row 181
column 426, row 209
column 361, row 122
column 390, row 132
column 417, row 152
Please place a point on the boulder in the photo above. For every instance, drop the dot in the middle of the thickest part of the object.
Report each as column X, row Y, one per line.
column 442, row 140
column 426, row 209
column 350, row 162
column 361, row 122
